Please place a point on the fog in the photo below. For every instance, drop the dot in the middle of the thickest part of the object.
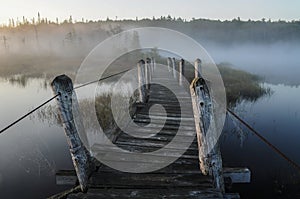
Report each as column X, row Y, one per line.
column 268, row 49
column 64, row 39
column 51, row 49
column 45, row 50
column 277, row 62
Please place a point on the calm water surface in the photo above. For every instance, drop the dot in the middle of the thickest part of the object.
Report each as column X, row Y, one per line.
column 277, row 118
column 32, row 150
column 35, row 148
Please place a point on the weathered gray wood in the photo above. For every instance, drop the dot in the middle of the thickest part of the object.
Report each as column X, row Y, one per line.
column 181, row 179
column 169, row 62
column 66, row 177
column 142, row 81
column 66, row 193
column 174, row 68
column 200, row 135
column 149, row 66
column 237, row 175
column 147, row 76
column 173, row 193
column 63, row 87
column 198, row 68
column 181, row 71
column 175, row 168
column 209, row 152
column 231, row 196
column 166, row 117
column 152, row 64
column 149, row 180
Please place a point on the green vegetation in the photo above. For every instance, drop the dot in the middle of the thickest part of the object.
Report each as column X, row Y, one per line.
column 241, row 85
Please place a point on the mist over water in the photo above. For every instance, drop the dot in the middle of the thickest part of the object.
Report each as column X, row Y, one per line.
column 36, row 148
column 267, row 49
column 278, row 62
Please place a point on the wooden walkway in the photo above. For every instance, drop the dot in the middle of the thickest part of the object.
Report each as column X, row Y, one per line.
column 180, row 179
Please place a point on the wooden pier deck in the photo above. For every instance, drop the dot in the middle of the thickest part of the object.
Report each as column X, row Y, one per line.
column 180, row 179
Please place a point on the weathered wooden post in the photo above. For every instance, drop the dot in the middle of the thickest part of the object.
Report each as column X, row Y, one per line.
column 198, row 68
column 152, row 64
column 174, row 68
column 142, row 81
column 210, row 160
column 201, row 141
column 169, row 61
column 209, row 152
column 149, row 66
column 63, row 87
column 146, row 70
column 181, row 71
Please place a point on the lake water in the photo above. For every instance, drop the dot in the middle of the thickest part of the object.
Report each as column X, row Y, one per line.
column 277, row 118
column 32, row 150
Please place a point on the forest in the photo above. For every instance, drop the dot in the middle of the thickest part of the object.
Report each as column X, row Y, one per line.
column 49, row 35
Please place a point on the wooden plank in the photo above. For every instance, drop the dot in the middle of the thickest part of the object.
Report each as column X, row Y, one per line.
column 153, row 117
column 143, row 113
column 164, row 132
column 161, row 137
column 66, row 177
column 169, row 126
column 176, row 167
column 175, row 193
column 111, row 153
column 149, row 180
column 166, row 122
column 66, row 193
column 231, row 196
column 151, row 144
column 237, row 175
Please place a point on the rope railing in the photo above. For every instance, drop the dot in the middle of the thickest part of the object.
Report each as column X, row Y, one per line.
column 80, row 155
column 145, row 70
column 62, row 85
column 104, row 78
column 52, row 98
column 27, row 114
column 273, row 147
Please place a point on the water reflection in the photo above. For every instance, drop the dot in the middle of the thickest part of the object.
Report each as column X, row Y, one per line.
column 22, row 81
column 35, row 149
column 47, row 114
column 32, row 150
column 276, row 118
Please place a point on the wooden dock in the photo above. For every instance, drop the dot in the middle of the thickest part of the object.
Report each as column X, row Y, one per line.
column 183, row 178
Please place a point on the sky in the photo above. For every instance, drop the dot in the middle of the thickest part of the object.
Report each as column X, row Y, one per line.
column 130, row 9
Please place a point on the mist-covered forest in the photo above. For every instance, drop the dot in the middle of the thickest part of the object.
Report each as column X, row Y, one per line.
column 40, row 45
column 248, row 54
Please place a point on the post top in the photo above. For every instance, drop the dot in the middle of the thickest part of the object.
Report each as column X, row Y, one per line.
column 198, row 60
column 141, row 61
column 61, row 78
column 62, row 83
column 148, row 60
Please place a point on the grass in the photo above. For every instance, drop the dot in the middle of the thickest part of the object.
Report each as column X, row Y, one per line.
column 241, row 85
